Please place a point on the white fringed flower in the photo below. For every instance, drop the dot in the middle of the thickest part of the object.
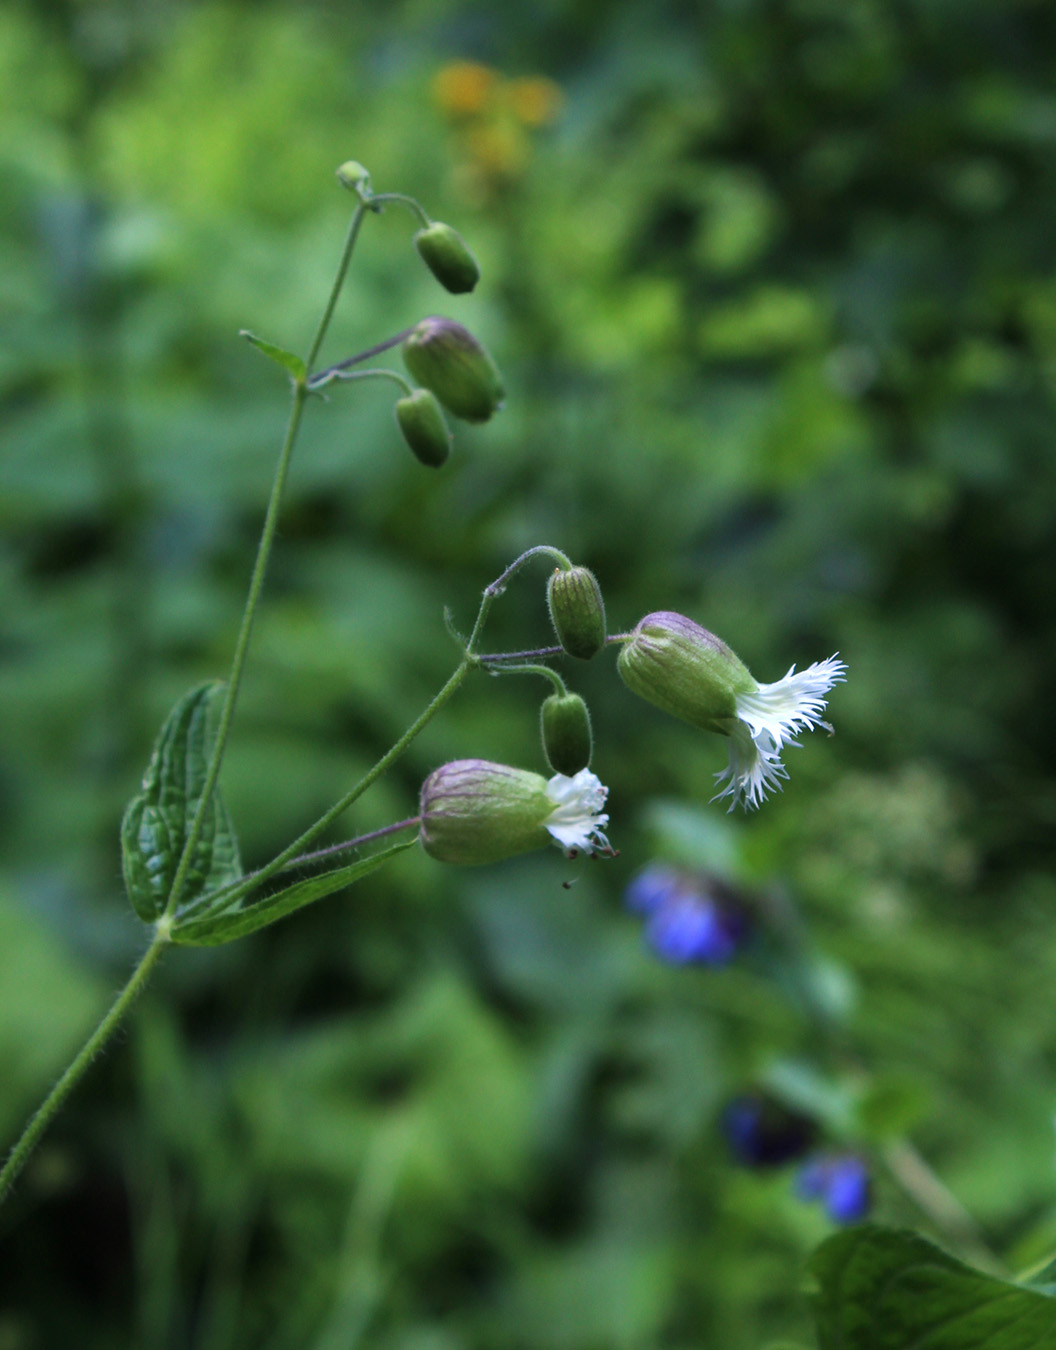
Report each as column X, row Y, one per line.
column 576, row 820
column 768, row 718
column 678, row 666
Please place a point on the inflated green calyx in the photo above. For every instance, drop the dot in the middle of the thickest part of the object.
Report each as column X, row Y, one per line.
column 577, row 611
column 446, row 358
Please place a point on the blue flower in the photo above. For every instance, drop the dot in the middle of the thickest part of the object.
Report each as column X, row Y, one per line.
column 690, row 927
column 652, row 887
column 691, row 918
column 763, row 1133
column 841, row 1182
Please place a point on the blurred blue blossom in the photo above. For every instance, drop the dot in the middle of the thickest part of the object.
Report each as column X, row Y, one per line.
column 841, row 1182
column 763, row 1133
column 691, row 917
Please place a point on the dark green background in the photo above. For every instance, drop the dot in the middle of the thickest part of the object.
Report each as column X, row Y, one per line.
column 774, row 297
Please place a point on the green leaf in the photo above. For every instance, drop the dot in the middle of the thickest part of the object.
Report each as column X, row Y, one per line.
column 288, row 360
column 157, row 820
column 887, row 1289
column 216, row 929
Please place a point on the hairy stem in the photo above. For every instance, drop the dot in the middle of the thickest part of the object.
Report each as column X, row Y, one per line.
column 260, row 567
column 40, row 1120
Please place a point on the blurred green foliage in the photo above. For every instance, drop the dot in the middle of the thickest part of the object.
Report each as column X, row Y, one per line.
column 771, row 283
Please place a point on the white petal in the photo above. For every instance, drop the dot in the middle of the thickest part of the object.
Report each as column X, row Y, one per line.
column 783, row 709
column 754, row 769
column 576, row 820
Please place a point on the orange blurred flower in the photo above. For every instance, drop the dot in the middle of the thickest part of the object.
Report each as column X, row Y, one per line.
column 464, row 88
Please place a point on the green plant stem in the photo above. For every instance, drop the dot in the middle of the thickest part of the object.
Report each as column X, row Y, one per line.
column 945, row 1211
column 260, row 567
column 378, row 199
column 245, row 632
column 492, row 592
column 324, row 376
column 313, row 831
column 533, row 654
column 382, row 374
column 320, row 853
column 40, row 1120
column 529, row 669
column 470, row 661
column 339, row 280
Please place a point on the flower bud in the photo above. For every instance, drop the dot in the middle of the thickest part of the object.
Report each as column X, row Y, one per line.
column 353, row 176
column 565, row 725
column 447, row 256
column 424, row 429
column 447, row 358
column 678, row 666
column 473, row 811
column 577, row 611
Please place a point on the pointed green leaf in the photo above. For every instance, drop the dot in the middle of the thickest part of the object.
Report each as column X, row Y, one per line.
column 216, row 929
column 288, row 360
column 158, row 819
column 887, row 1289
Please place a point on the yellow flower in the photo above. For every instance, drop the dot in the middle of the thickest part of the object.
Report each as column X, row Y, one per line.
column 535, row 100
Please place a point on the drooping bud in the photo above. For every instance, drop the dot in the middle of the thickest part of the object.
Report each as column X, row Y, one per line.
column 567, row 741
column 473, row 811
column 424, row 429
column 353, row 176
column 577, row 611
column 680, row 667
column 447, row 256
column 448, row 359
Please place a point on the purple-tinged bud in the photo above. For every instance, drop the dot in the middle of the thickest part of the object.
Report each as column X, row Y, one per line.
column 567, row 741
column 473, row 811
column 577, row 611
column 447, row 256
column 353, row 176
column 680, row 667
column 448, row 359
column 761, row 1132
column 422, row 423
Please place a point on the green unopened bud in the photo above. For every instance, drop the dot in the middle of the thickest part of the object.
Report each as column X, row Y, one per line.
column 424, row 429
column 565, row 725
column 353, row 176
column 577, row 611
column 448, row 359
column 474, row 811
column 678, row 666
column 447, row 256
